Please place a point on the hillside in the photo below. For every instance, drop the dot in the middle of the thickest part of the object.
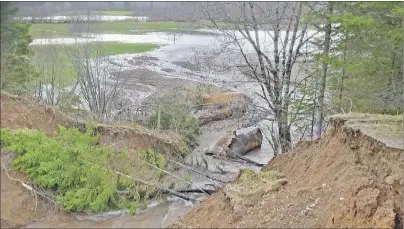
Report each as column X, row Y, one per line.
column 19, row 206
column 348, row 178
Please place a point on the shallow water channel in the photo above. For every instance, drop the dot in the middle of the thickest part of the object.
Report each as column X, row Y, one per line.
column 214, row 67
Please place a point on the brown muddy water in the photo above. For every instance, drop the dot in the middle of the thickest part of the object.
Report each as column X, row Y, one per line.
column 157, row 216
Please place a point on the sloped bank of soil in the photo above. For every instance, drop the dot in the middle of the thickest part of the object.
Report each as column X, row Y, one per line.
column 346, row 179
column 19, row 206
column 18, row 112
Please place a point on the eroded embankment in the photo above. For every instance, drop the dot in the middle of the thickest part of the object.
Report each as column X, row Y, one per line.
column 18, row 112
column 345, row 179
column 20, row 206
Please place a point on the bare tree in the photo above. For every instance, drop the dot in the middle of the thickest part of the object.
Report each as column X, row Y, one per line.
column 47, row 62
column 93, row 66
column 275, row 33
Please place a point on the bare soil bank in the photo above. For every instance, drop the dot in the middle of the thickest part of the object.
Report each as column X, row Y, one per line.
column 19, row 206
column 345, row 179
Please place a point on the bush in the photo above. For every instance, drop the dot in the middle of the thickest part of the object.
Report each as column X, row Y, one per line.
column 78, row 170
column 174, row 115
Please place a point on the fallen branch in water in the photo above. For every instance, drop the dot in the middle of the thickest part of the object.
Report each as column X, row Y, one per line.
column 249, row 160
column 173, row 175
column 167, row 190
column 208, row 191
column 173, row 192
column 196, row 171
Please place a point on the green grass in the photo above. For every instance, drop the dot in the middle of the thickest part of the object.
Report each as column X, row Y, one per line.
column 115, row 48
column 108, row 48
column 65, row 69
column 49, row 30
column 128, row 26
column 386, row 128
column 107, row 12
column 370, row 118
column 117, row 12
column 121, row 27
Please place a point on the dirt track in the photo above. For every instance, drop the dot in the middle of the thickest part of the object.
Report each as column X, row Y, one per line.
column 346, row 179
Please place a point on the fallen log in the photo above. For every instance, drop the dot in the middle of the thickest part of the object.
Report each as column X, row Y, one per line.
column 222, row 97
column 208, row 191
column 216, row 115
column 240, row 142
column 245, row 140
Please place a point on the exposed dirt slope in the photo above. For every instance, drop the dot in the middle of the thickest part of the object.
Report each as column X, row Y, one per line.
column 346, row 179
column 17, row 112
column 17, row 203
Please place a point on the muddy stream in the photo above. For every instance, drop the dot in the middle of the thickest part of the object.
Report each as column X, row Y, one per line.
column 190, row 57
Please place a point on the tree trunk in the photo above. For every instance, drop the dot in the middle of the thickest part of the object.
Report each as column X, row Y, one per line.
column 341, row 89
column 327, row 39
column 285, row 137
column 245, row 141
column 402, row 72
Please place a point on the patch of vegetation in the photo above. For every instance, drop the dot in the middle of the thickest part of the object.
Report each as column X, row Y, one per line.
column 383, row 125
column 252, row 185
column 82, row 173
column 52, row 30
column 47, row 30
column 364, row 117
column 15, row 54
column 116, row 12
column 154, row 158
column 53, row 61
column 132, row 26
column 172, row 113
column 115, row 48
column 107, row 12
column 105, row 48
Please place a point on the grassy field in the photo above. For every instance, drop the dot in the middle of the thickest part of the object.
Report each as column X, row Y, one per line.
column 107, row 12
column 56, row 58
column 107, row 48
column 49, row 30
column 121, row 27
